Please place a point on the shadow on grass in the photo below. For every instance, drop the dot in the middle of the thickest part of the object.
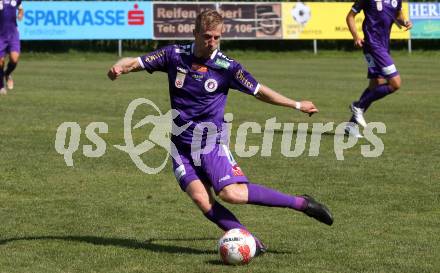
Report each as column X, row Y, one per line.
column 309, row 132
column 218, row 262
column 149, row 245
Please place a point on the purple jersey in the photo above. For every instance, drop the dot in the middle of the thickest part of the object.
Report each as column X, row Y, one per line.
column 198, row 87
column 379, row 17
column 8, row 16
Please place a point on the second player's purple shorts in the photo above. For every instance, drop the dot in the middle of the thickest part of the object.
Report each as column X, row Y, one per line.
column 217, row 168
column 380, row 64
column 10, row 42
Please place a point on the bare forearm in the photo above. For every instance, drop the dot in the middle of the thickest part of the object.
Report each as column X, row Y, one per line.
column 268, row 95
column 351, row 23
column 128, row 65
column 123, row 66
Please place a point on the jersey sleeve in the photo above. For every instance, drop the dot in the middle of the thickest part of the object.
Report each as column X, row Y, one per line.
column 157, row 60
column 242, row 80
column 358, row 6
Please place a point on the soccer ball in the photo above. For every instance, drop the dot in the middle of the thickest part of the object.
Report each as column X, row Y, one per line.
column 236, row 246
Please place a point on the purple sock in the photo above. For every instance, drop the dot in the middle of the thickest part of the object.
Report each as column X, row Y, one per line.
column 223, row 218
column 260, row 195
column 361, row 102
column 369, row 97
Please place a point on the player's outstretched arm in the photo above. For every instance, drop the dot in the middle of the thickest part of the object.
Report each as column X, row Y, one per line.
column 123, row 66
column 270, row 96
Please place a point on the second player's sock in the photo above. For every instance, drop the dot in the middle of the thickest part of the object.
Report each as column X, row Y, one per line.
column 361, row 102
column 10, row 68
column 260, row 195
column 375, row 94
column 223, row 218
column 1, row 78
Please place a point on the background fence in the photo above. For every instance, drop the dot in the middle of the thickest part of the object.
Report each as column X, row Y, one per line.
column 61, row 25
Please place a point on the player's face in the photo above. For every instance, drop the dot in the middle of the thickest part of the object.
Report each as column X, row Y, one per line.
column 208, row 40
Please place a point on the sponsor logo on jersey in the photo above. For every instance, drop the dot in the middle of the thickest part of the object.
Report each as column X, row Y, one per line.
column 224, row 56
column 379, row 5
column 236, row 171
column 179, row 172
column 224, row 178
column 182, row 70
column 222, row 63
column 394, row 3
column 211, row 85
column 242, row 79
column 180, row 77
column 197, row 77
column 389, row 69
column 199, row 68
column 155, row 56
column 370, row 60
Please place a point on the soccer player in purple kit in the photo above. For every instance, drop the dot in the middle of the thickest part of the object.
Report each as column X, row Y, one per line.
column 382, row 73
column 199, row 77
column 10, row 11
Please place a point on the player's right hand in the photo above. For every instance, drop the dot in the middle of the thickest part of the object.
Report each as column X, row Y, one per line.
column 358, row 42
column 114, row 72
column 308, row 107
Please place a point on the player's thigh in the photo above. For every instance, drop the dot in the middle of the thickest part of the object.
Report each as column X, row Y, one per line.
column 221, row 169
column 201, row 194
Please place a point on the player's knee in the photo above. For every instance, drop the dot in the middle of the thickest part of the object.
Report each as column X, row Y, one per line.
column 394, row 87
column 231, row 195
column 395, row 84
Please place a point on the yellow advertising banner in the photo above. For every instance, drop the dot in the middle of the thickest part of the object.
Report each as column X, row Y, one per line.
column 324, row 20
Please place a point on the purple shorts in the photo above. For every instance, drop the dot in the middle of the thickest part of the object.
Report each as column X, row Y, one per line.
column 216, row 168
column 9, row 43
column 380, row 64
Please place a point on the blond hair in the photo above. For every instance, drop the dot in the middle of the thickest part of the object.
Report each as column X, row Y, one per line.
column 208, row 20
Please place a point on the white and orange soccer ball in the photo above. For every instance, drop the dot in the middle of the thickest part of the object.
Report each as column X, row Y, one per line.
column 237, row 246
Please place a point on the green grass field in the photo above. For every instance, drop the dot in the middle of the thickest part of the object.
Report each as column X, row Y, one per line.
column 104, row 215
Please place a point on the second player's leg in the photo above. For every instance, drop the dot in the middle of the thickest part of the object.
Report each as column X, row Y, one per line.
column 12, row 64
column 2, row 87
